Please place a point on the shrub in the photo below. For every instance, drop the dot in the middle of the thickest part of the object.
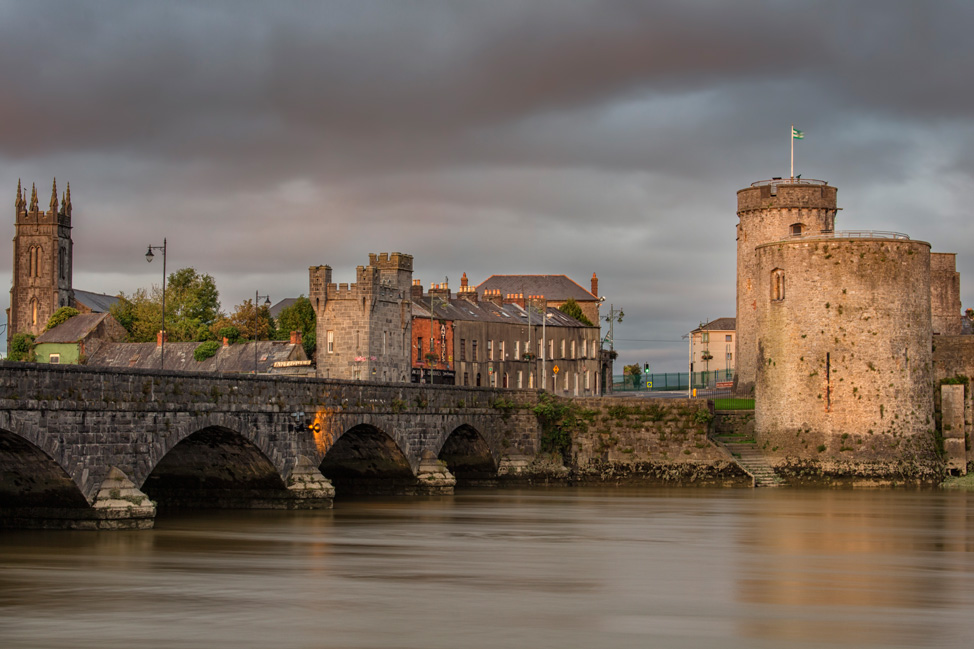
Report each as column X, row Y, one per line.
column 206, row 350
column 21, row 348
column 232, row 334
column 61, row 316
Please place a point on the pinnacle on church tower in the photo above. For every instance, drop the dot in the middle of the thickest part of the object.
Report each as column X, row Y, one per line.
column 33, row 197
column 67, row 208
column 54, row 196
column 19, row 201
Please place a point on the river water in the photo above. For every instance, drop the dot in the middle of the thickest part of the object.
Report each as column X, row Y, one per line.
column 556, row 567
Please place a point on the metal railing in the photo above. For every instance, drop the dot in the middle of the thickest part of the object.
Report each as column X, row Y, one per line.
column 789, row 181
column 849, row 234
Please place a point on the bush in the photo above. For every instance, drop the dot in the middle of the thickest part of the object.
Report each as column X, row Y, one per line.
column 61, row 316
column 21, row 348
column 232, row 334
column 206, row 350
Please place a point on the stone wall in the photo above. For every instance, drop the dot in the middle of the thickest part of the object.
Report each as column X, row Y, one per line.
column 945, row 294
column 650, row 441
column 844, row 360
column 767, row 213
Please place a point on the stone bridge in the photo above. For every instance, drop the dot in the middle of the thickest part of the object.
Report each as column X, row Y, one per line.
column 99, row 449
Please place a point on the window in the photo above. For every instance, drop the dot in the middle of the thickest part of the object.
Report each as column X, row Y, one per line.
column 573, row 349
column 473, row 353
column 54, row 359
column 705, row 337
column 563, row 349
column 330, row 341
column 777, row 285
column 797, row 229
column 33, row 311
column 466, row 378
column 587, row 380
column 503, row 356
column 419, row 348
column 490, row 350
column 728, row 338
column 730, row 356
column 551, row 349
column 478, row 379
column 584, row 349
column 517, row 351
column 520, row 379
column 463, row 353
column 531, row 379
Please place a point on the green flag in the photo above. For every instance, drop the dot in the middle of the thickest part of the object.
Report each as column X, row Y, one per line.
column 796, row 134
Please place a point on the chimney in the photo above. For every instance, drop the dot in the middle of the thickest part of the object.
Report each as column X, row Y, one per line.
column 463, row 281
column 226, row 341
column 515, row 298
column 469, row 293
column 440, row 290
column 494, row 296
column 295, row 337
column 416, row 290
column 595, row 285
column 159, row 335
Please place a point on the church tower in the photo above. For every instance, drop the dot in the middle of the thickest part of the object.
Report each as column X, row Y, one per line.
column 42, row 261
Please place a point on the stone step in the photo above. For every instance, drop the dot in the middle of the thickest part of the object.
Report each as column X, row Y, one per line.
column 749, row 457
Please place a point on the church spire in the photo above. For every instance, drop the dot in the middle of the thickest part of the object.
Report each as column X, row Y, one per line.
column 54, row 196
column 33, row 197
column 19, row 201
column 67, row 208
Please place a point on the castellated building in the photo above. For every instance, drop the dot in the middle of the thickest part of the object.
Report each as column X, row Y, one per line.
column 835, row 333
column 364, row 329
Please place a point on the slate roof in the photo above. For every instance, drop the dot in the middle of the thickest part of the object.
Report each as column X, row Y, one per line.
column 720, row 324
column 73, row 330
column 238, row 358
column 280, row 306
column 97, row 302
column 553, row 287
column 459, row 309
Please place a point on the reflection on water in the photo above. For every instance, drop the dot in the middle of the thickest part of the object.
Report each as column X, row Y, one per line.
column 534, row 568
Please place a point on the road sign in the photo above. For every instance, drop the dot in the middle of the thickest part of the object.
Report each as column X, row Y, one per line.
column 555, row 369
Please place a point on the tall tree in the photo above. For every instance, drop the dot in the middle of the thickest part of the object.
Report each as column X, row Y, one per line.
column 299, row 316
column 192, row 306
column 244, row 319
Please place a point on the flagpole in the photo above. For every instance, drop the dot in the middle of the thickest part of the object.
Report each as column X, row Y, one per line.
column 792, row 138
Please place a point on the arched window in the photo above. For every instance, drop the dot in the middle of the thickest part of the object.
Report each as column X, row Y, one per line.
column 777, row 285
column 797, row 229
column 33, row 311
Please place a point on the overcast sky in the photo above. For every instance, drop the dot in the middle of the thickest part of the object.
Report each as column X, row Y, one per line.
column 541, row 136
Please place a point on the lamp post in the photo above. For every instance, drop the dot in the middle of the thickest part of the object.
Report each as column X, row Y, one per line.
column 267, row 302
column 148, row 258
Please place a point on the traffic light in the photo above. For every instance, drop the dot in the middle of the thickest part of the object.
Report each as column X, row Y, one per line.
column 647, row 368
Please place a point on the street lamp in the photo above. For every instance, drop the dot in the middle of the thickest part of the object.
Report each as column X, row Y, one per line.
column 267, row 302
column 148, row 258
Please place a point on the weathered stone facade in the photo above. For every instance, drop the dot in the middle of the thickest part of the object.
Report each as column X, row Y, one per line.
column 364, row 329
column 843, row 354
column 42, row 261
column 770, row 211
column 945, row 294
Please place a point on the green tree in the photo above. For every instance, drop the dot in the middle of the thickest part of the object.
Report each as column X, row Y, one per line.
column 61, row 316
column 299, row 316
column 21, row 348
column 571, row 308
column 192, row 306
column 634, row 372
column 243, row 319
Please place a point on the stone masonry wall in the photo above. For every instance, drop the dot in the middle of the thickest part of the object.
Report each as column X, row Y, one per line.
column 844, row 376
column 662, row 441
column 945, row 293
column 766, row 214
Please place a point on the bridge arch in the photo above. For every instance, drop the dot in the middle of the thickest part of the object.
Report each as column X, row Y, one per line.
column 468, row 455
column 367, row 459
column 221, row 463
column 31, row 477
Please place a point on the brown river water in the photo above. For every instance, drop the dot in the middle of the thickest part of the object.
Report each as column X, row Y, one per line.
column 556, row 567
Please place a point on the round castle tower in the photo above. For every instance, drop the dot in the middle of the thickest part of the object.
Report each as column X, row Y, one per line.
column 771, row 210
column 843, row 347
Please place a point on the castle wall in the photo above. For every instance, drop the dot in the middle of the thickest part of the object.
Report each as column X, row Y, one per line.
column 843, row 352
column 767, row 212
column 364, row 328
column 945, row 293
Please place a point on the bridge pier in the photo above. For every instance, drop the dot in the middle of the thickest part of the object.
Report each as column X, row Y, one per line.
column 433, row 478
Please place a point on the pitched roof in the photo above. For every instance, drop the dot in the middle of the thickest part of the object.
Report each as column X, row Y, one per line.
column 73, row 330
column 553, row 287
column 238, row 358
column 720, row 324
column 280, row 306
column 97, row 302
column 459, row 309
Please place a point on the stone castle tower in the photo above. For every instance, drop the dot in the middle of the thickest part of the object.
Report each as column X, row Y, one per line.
column 42, row 259
column 771, row 210
column 364, row 329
